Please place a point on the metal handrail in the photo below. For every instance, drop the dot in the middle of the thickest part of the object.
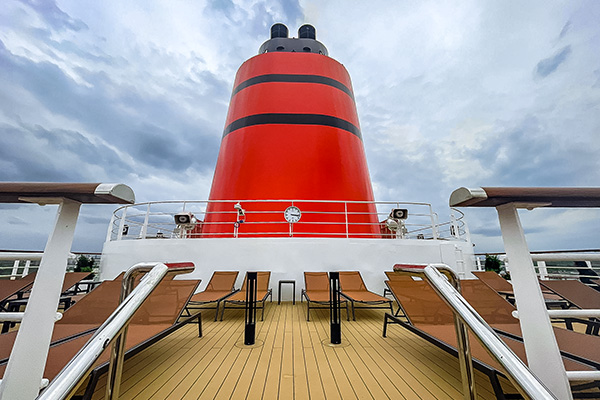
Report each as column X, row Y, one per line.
column 577, row 313
column 141, row 218
column 70, row 378
column 519, row 375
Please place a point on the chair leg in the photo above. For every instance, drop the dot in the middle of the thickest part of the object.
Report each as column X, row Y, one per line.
column 91, row 386
column 496, row 386
column 353, row 313
column 223, row 310
column 385, row 323
column 200, row 324
column 347, row 312
column 217, row 311
column 397, row 311
column 307, row 310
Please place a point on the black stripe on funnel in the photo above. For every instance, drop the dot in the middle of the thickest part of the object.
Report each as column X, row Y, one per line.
column 292, row 119
column 323, row 80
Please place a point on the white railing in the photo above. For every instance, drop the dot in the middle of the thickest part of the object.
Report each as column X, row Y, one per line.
column 156, row 220
column 15, row 264
column 558, row 265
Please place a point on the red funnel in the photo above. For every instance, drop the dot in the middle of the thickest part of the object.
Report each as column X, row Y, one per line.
column 292, row 133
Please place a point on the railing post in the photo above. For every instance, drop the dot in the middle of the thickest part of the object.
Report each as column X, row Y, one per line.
column 122, row 224
column 117, row 355
column 462, row 336
column 250, row 330
column 334, row 308
column 542, row 270
column 110, row 227
column 478, row 263
column 434, row 223
column 454, row 230
column 26, row 268
column 144, row 231
column 346, row 217
column 15, row 269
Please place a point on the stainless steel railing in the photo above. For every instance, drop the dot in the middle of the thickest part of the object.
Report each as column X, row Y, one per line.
column 448, row 289
column 112, row 330
column 156, row 220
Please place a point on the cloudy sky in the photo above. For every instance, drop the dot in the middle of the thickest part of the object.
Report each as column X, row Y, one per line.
column 449, row 94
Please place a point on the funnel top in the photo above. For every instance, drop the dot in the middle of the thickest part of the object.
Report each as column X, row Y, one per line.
column 306, row 42
column 279, row 31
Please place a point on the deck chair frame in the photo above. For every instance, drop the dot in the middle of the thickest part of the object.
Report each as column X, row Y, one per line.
column 391, row 276
column 135, row 348
column 492, row 374
column 321, row 305
column 371, row 304
column 200, row 305
column 400, row 308
column 103, row 368
column 493, row 280
column 8, row 338
column 241, row 304
column 578, row 295
column 18, row 287
column 490, row 371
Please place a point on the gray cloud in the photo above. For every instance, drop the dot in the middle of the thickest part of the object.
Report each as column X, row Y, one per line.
column 51, row 13
column 596, row 84
column 16, row 221
column 99, row 109
column 565, row 30
column 32, row 153
column 548, row 65
column 487, row 231
column 83, row 102
column 96, row 220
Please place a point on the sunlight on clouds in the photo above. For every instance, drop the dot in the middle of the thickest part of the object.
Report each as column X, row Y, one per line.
column 446, row 92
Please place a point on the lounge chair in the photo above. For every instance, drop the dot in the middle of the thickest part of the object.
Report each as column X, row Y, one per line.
column 392, row 276
column 220, row 287
column 155, row 319
column 67, row 298
column 430, row 318
column 238, row 299
column 505, row 288
column 71, row 282
column 353, row 288
column 579, row 295
column 9, row 288
column 83, row 317
column 496, row 311
column 317, row 292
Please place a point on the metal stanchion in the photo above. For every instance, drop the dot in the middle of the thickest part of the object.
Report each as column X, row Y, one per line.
column 334, row 308
column 249, row 333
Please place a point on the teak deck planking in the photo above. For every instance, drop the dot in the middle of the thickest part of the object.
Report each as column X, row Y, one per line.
column 293, row 360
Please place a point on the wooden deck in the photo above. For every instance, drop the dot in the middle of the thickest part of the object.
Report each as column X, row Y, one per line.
column 293, row 360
